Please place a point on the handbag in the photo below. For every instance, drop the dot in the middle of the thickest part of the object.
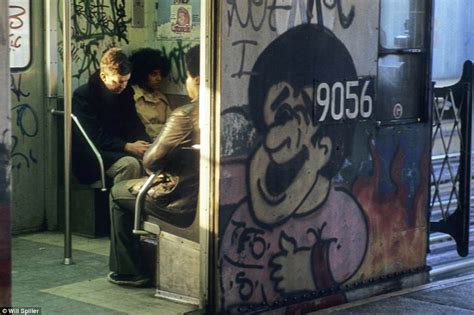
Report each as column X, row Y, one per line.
column 163, row 185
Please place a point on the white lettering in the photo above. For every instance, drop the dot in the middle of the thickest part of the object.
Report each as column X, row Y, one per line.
column 366, row 102
column 352, row 96
column 344, row 100
column 323, row 89
column 337, row 113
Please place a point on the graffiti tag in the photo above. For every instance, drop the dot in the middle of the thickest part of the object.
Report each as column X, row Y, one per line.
column 16, row 23
column 96, row 26
column 27, row 122
column 176, row 57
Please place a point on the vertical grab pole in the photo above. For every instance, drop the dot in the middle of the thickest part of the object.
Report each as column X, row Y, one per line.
column 67, row 129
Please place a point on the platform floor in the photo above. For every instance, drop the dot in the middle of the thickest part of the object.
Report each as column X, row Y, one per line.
column 451, row 296
column 40, row 279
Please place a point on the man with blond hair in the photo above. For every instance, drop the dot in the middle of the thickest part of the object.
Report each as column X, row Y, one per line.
column 106, row 109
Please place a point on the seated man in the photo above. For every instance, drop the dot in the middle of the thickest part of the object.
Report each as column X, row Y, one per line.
column 150, row 67
column 173, row 201
column 106, row 109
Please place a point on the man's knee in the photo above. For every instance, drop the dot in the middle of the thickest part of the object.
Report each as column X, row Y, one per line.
column 125, row 168
column 130, row 164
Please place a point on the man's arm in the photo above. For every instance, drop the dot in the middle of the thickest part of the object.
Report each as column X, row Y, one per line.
column 87, row 115
column 175, row 134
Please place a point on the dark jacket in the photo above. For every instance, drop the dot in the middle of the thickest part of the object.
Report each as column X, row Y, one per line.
column 172, row 152
column 110, row 120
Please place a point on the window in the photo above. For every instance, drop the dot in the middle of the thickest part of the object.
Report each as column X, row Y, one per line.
column 402, row 24
column 19, row 34
column 403, row 59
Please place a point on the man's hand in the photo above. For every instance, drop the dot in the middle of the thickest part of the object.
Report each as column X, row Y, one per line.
column 137, row 148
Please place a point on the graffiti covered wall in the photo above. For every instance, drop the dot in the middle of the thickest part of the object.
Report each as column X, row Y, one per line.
column 95, row 25
column 315, row 197
column 99, row 25
column 5, row 257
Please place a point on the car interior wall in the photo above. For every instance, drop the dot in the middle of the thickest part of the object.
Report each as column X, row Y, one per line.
column 28, row 116
column 130, row 25
column 121, row 24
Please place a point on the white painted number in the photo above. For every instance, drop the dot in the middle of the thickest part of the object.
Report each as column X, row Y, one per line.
column 337, row 113
column 334, row 99
column 323, row 90
column 349, row 95
column 366, row 104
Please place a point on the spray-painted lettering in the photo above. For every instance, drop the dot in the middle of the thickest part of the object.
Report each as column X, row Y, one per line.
column 96, row 26
column 176, row 57
column 27, row 122
column 16, row 23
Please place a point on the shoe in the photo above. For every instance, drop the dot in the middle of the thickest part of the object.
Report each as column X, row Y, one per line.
column 128, row 280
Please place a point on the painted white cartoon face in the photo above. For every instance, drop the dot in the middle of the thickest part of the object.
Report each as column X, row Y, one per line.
column 285, row 171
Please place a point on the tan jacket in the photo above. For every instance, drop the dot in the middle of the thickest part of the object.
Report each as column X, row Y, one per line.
column 152, row 108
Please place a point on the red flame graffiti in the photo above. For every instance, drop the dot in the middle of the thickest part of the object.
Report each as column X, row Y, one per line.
column 397, row 234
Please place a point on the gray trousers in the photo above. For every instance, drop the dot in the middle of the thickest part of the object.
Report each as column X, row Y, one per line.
column 127, row 167
column 125, row 246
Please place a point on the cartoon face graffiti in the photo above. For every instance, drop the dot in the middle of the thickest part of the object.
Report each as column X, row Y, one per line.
column 285, row 170
column 296, row 231
column 290, row 172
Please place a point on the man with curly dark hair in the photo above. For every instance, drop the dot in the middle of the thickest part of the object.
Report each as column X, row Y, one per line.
column 150, row 67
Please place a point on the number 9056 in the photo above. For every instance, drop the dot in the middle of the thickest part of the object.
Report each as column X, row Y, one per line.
column 344, row 100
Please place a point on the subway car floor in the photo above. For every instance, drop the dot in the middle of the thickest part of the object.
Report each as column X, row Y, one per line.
column 40, row 279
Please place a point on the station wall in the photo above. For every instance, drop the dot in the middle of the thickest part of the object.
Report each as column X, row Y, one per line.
column 453, row 39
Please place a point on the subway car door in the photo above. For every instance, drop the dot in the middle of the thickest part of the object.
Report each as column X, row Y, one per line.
column 325, row 149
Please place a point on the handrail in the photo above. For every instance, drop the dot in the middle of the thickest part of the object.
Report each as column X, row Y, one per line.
column 139, row 205
column 91, row 145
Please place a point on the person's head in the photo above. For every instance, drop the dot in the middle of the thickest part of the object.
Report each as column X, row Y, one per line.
column 192, row 72
column 290, row 172
column 150, row 67
column 115, row 70
column 183, row 17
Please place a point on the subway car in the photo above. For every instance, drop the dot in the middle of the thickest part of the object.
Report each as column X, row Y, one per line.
column 334, row 154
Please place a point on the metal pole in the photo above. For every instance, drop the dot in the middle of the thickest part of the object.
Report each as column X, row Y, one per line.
column 67, row 129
